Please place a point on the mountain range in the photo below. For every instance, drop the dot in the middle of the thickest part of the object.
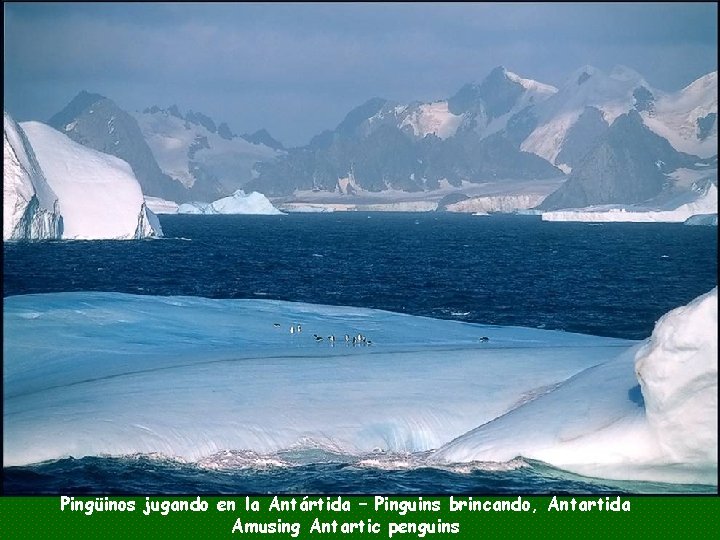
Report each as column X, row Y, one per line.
column 601, row 137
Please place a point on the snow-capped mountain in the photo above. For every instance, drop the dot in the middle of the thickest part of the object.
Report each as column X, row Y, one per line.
column 98, row 123
column 504, row 128
column 383, row 146
column 688, row 118
column 569, row 122
column 192, row 150
column 94, row 195
column 628, row 164
column 175, row 156
column 499, row 129
column 30, row 206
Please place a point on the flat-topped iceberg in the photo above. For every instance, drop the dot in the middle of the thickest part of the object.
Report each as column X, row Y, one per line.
column 98, row 195
column 117, row 374
column 237, row 203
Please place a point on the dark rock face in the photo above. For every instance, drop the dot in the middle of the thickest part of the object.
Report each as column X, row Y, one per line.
column 376, row 146
column 97, row 122
column 261, row 136
column 705, row 125
column 628, row 165
column 582, row 137
column 644, row 99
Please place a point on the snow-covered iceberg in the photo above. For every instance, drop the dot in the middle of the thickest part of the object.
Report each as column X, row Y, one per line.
column 602, row 423
column 97, row 194
column 237, row 203
column 185, row 377
column 30, row 210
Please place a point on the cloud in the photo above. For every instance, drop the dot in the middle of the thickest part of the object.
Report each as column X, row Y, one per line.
column 238, row 57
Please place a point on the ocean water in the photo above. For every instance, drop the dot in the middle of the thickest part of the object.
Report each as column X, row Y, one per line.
column 610, row 280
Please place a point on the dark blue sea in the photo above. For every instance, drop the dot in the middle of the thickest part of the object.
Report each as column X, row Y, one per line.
column 610, row 279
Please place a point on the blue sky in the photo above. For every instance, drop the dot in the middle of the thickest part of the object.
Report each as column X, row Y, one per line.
column 297, row 69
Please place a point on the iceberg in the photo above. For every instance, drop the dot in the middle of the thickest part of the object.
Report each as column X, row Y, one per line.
column 237, row 203
column 189, row 377
column 97, row 194
column 603, row 423
column 30, row 207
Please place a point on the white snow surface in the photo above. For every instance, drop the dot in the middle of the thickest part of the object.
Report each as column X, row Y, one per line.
column 170, row 139
column 537, row 88
column 98, row 194
column 29, row 204
column 676, row 210
column 676, row 115
column 678, row 371
column 432, row 118
column 188, row 378
column 595, row 424
column 237, row 203
column 611, row 93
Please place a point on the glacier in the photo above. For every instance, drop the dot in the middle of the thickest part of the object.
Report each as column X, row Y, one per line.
column 158, row 205
column 678, row 209
column 237, row 203
column 507, row 196
column 98, row 195
column 189, row 377
column 30, row 207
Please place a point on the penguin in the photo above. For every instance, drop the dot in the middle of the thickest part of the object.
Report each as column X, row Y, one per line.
column 276, row 325
column 292, row 329
column 299, row 328
column 347, row 338
column 484, row 339
column 317, row 338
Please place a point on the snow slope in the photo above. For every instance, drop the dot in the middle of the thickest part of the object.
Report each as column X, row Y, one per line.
column 98, row 195
column 677, row 117
column 432, row 118
column 588, row 86
column 237, row 203
column 687, row 118
column 184, row 150
column 191, row 377
column 29, row 204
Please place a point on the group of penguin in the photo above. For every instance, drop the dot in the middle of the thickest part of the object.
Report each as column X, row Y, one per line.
column 349, row 340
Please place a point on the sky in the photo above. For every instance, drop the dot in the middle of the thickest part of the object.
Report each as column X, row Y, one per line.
column 298, row 68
